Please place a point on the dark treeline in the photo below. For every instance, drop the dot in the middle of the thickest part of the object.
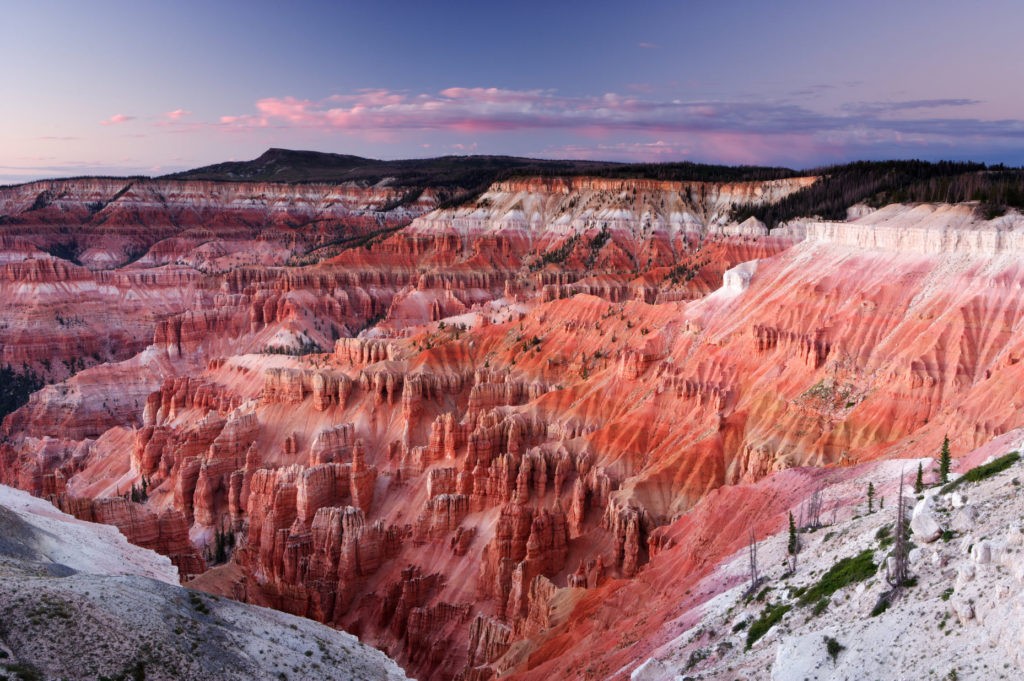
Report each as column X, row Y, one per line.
column 677, row 172
column 877, row 183
column 15, row 388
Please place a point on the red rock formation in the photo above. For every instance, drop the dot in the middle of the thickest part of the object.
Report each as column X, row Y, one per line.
column 454, row 492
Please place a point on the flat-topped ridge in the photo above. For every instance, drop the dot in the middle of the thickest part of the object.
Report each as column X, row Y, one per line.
column 925, row 229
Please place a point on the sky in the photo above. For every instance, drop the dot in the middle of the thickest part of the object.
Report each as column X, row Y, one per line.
column 148, row 87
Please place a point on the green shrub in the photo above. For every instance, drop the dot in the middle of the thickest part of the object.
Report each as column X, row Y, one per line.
column 833, row 647
column 768, row 619
column 847, row 571
column 884, row 536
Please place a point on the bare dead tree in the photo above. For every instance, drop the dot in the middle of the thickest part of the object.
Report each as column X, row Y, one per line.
column 810, row 513
column 793, row 546
column 755, row 579
column 896, row 570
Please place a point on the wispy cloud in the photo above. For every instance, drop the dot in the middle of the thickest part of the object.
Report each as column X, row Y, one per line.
column 117, row 119
column 881, row 108
column 648, row 46
column 496, row 110
column 812, row 90
column 177, row 114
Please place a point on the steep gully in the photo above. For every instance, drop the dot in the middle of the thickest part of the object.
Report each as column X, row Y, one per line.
column 554, row 401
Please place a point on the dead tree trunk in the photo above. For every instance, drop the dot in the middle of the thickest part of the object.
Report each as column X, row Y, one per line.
column 810, row 512
column 755, row 579
column 896, row 569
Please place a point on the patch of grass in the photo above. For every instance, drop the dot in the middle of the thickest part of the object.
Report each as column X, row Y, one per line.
column 739, row 626
column 821, row 606
column 847, row 571
column 984, row 471
column 769, row 618
column 946, row 594
column 884, row 536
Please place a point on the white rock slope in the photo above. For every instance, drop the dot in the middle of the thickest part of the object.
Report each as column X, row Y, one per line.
column 962, row 619
column 78, row 602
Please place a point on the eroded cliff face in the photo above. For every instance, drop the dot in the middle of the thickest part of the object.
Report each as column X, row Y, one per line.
column 89, row 266
column 105, row 223
column 533, row 408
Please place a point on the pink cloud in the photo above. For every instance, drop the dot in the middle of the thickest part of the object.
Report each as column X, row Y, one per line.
column 177, row 114
column 457, row 108
column 736, row 131
column 117, row 119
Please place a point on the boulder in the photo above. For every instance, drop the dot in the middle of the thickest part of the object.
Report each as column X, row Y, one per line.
column 962, row 607
column 923, row 522
column 964, row 575
column 965, row 519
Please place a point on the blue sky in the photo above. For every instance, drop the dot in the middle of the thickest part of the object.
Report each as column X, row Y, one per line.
column 150, row 87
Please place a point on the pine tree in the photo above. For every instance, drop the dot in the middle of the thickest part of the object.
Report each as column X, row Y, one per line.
column 944, row 461
column 919, row 481
column 871, row 497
